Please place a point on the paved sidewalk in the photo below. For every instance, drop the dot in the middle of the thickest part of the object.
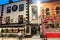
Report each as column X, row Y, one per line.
column 6, row 38
column 31, row 39
column 36, row 37
column 16, row 38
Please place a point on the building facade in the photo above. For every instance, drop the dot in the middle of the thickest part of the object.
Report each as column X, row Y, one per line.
column 14, row 12
column 50, row 14
column 41, row 9
column 50, row 9
column 19, row 16
column 15, row 18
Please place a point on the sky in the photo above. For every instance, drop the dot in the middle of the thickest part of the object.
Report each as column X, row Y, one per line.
column 6, row 1
column 34, row 1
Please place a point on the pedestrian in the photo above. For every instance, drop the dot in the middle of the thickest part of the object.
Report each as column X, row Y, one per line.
column 20, row 34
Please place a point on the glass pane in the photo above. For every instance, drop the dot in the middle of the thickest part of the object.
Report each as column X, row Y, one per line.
column 34, row 12
column 7, row 20
column 14, row 8
column 21, row 7
column 9, row 9
column 58, row 10
column 27, row 29
column 47, row 11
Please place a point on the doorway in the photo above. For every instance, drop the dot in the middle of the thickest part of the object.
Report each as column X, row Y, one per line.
column 35, row 30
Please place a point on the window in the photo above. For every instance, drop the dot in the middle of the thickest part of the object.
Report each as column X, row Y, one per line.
column 0, row 20
column 58, row 10
column 27, row 29
column 21, row 7
column 15, row 30
column 9, row 9
column 20, row 19
column 47, row 11
column 7, row 20
column 14, row 7
column 9, row 30
column 34, row 12
column 11, row 20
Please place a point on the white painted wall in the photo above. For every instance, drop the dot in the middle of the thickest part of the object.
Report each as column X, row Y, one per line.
column 14, row 15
